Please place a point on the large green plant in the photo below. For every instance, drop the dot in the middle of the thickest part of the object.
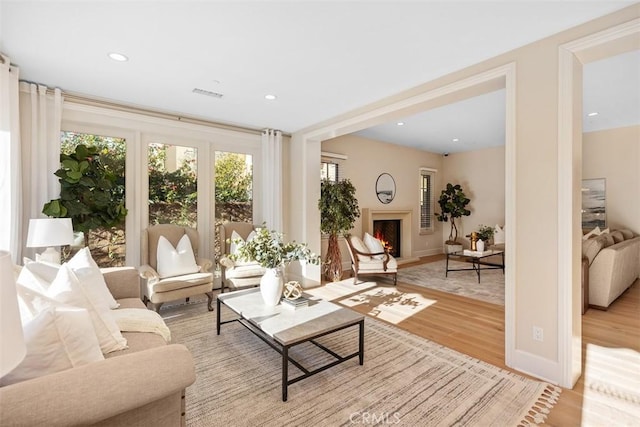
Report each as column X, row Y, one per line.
column 453, row 204
column 338, row 212
column 88, row 194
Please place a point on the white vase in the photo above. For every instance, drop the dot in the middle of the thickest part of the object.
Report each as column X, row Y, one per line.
column 480, row 245
column 271, row 285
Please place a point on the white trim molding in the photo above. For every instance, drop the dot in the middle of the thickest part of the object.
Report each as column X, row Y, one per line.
column 569, row 181
column 307, row 143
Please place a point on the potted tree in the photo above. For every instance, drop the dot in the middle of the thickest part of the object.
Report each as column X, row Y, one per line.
column 89, row 193
column 453, row 204
column 338, row 212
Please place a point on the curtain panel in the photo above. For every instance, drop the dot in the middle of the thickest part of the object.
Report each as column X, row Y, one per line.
column 40, row 121
column 272, row 178
column 10, row 171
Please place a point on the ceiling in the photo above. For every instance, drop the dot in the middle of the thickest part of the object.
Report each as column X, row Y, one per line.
column 611, row 88
column 321, row 59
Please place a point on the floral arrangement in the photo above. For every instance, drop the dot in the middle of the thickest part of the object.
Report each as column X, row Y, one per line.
column 485, row 233
column 268, row 249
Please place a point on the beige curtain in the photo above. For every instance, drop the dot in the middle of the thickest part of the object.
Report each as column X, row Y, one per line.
column 40, row 119
column 272, row 179
column 10, row 175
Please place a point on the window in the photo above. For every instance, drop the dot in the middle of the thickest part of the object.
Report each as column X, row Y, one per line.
column 426, row 199
column 329, row 171
column 233, row 183
column 332, row 166
column 173, row 185
column 107, row 245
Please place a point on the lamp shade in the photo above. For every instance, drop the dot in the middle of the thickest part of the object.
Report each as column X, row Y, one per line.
column 13, row 348
column 47, row 232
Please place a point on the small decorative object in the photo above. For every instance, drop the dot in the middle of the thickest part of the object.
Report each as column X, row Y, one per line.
column 474, row 240
column 268, row 249
column 292, row 290
column 480, row 245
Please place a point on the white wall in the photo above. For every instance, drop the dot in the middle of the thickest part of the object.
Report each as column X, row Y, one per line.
column 367, row 159
column 481, row 174
column 614, row 154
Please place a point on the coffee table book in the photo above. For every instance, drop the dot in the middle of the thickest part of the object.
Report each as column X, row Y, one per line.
column 296, row 303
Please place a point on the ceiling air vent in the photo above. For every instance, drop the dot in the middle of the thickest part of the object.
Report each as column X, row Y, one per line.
column 207, row 93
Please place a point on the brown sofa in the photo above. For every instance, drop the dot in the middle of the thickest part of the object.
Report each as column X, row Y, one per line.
column 140, row 386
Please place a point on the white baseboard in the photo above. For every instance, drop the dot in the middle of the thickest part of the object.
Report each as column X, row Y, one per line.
column 536, row 366
column 428, row 252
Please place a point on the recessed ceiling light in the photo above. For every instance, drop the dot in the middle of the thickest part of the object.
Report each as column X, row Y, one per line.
column 595, row 113
column 400, row 123
column 270, row 97
column 455, row 140
column 118, row 57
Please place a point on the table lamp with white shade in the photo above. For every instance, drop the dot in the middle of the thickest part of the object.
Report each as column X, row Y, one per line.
column 50, row 232
column 13, row 348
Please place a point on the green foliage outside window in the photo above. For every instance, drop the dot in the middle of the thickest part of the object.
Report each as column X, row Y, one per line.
column 233, row 179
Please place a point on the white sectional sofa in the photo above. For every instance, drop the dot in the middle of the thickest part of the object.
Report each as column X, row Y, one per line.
column 614, row 265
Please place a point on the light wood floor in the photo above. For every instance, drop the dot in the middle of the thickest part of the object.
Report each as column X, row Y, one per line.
column 476, row 328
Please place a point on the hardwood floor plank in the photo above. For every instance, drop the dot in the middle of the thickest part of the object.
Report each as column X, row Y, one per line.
column 476, row 328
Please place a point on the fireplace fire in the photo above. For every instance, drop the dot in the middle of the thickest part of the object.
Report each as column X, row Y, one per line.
column 388, row 232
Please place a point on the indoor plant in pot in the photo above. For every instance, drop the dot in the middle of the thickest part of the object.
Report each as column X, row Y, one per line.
column 453, row 204
column 90, row 193
column 338, row 212
column 269, row 250
column 485, row 234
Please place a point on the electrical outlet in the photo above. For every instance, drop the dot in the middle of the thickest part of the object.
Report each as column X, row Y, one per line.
column 538, row 333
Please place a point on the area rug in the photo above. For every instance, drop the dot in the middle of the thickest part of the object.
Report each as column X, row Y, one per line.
column 465, row 283
column 405, row 380
column 611, row 387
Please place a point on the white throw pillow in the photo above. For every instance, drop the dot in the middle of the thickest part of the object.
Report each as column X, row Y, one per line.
column 90, row 276
column 236, row 241
column 374, row 245
column 56, row 339
column 359, row 245
column 498, row 235
column 235, row 237
column 176, row 261
column 31, row 303
column 66, row 288
column 595, row 232
column 37, row 276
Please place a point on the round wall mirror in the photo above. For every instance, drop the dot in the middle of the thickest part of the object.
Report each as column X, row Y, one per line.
column 385, row 188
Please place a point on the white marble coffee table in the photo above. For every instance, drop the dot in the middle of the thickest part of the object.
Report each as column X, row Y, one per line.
column 283, row 328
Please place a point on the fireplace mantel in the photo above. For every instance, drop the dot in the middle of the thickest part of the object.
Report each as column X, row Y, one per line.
column 406, row 222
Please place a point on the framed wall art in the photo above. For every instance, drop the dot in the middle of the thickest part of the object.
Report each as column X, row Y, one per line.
column 594, row 204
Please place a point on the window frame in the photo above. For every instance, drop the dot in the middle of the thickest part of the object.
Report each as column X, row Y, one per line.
column 429, row 215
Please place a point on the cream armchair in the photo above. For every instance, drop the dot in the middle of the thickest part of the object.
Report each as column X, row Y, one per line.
column 364, row 262
column 157, row 290
column 237, row 274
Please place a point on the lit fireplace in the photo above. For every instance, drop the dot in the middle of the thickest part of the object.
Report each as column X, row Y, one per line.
column 388, row 232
